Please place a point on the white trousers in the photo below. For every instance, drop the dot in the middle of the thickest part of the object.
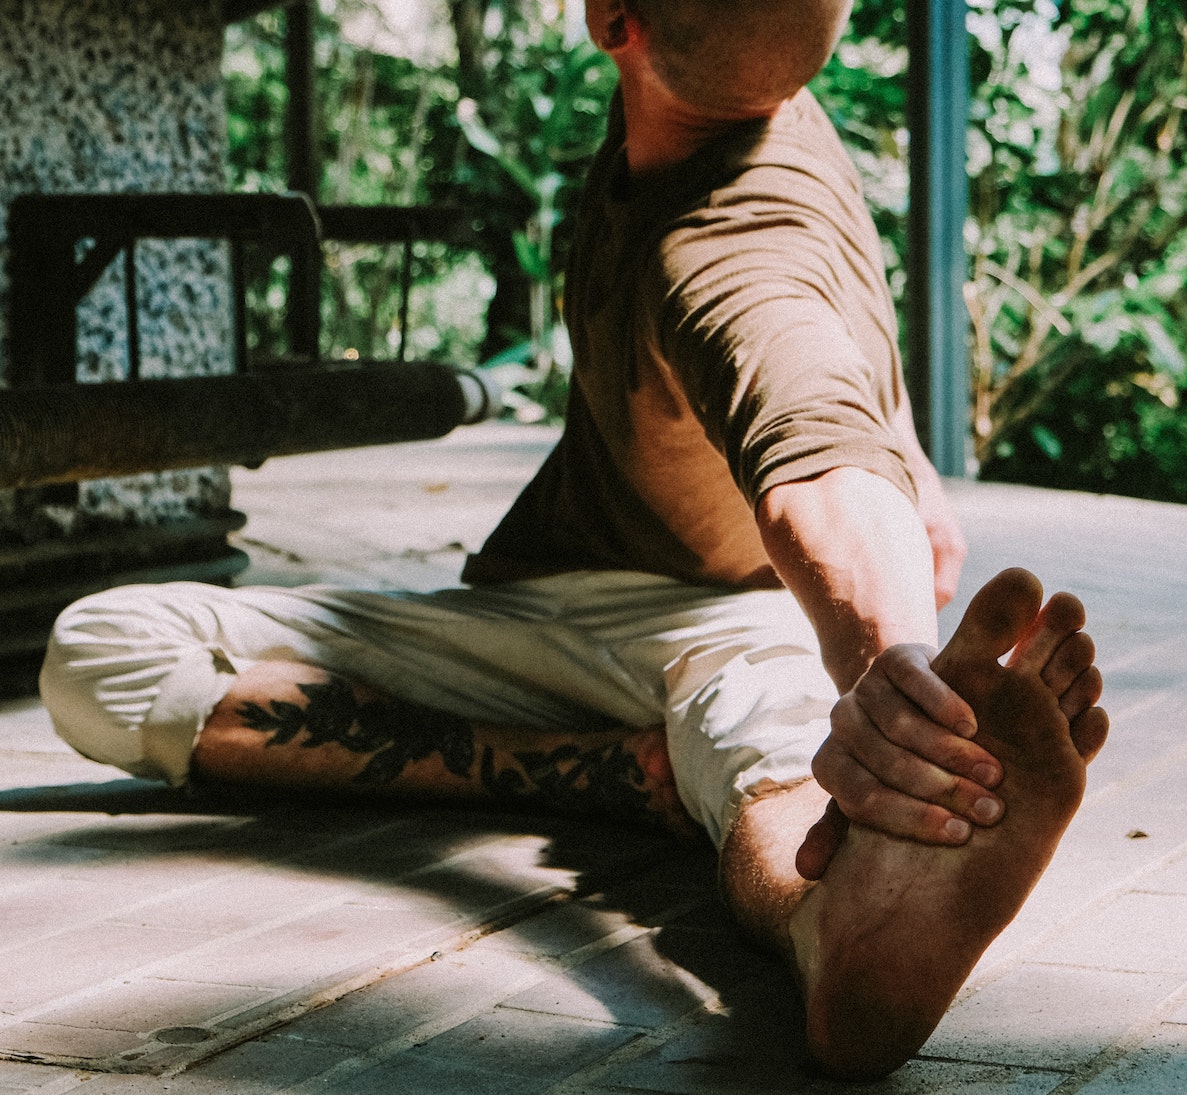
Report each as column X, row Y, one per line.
column 132, row 674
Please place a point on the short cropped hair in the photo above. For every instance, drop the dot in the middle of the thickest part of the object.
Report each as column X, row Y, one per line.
column 729, row 55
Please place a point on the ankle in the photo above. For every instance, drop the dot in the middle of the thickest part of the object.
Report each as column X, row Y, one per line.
column 757, row 870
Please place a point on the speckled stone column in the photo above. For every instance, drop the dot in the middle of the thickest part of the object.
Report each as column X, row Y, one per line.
column 120, row 96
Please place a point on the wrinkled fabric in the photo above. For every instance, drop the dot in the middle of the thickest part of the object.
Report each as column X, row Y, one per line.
column 132, row 674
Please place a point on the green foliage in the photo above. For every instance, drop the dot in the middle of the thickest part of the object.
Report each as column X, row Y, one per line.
column 1078, row 206
column 1077, row 228
column 512, row 151
column 551, row 122
column 863, row 89
column 1078, row 162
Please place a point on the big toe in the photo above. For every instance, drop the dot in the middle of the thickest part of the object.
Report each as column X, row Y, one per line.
column 1001, row 613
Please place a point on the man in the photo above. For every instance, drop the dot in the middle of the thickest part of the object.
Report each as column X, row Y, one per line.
column 737, row 429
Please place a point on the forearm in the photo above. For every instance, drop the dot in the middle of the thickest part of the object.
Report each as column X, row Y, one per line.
column 943, row 530
column 854, row 551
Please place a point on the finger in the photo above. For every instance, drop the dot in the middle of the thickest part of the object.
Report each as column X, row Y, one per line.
column 876, row 713
column 947, row 577
column 888, row 811
column 1070, row 659
column 908, row 668
column 821, row 842
column 853, row 782
column 1059, row 618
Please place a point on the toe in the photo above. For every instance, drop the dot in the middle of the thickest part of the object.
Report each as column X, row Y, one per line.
column 1060, row 618
column 1081, row 694
column 1069, row 661
column 999, row 616
column 1089, row 730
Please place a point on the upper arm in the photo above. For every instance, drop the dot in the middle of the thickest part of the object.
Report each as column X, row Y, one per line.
column 757, row 319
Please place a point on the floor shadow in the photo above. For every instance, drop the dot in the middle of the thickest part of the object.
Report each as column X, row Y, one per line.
column 693, row 953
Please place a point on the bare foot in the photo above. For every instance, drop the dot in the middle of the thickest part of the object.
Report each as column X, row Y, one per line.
column 885, row 940
column 649, row 747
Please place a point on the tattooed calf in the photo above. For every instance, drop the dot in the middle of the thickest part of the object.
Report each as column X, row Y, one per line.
column 393, row 733
column 605, row 780
column 397, row 732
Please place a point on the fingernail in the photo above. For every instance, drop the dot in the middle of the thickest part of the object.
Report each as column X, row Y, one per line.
column 987, row 810
column 958, row 829
column 965, row 728
column 986, row 774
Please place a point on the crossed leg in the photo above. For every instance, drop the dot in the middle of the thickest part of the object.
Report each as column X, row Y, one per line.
column 883, row 942
column 290, row 724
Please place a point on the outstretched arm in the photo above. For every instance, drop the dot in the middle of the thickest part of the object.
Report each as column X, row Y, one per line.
column 948, row 547
column 856, row 554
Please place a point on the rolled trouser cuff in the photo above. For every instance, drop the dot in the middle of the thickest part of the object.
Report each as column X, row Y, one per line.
column 133, row 696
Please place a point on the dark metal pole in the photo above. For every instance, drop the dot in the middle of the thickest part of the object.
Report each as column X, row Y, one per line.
column 937, row 267
column 304, row 171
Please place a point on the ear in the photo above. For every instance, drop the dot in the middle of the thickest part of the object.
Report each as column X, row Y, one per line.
column 617, row 26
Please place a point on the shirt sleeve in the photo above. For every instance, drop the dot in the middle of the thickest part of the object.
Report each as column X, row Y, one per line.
column 749, row 308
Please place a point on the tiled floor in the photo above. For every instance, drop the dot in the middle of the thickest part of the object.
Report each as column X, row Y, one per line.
column 151, row 941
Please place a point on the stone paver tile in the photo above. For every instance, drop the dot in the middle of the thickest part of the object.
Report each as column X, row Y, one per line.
column 162, row 838
column 1171, row 878
column 518, row 1043
column 87, row 1044
column 1047, row 1016
column 454, row 987
column 385, row 854
column 1146, row 932
column 19, row 1078
column 26, row 727
column 149, row 1004
column 35, row 861
column 1097, row 857
column 152, row 874
column 238, row 902
column 707, row 1058
column 475, row 884
column 635, row 984
column 413, row 1072
column 923, row 1077
column 1158, row 1066
column 382, row 529
column 756, row 1050
column 1144, row 721
column 37, row 973
column 296, row 953
column 260, row 1067
column 560, row 928
column 42, row 908
column 1178, row 1012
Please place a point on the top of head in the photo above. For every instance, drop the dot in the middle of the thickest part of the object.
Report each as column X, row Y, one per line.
column 740, row 58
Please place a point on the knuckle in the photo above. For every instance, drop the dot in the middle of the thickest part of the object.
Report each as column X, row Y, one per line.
column 824, row 767
column 867, row 688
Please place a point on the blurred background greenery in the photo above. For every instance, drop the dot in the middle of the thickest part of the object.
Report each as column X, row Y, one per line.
column 1077, row 228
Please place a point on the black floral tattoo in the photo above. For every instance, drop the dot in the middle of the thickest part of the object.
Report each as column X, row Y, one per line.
column 397, row 732
column 603, row 779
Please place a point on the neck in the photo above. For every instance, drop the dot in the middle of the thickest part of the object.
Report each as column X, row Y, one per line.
column 662, row 130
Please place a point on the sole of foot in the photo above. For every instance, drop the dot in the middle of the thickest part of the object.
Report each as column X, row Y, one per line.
column 885, row 940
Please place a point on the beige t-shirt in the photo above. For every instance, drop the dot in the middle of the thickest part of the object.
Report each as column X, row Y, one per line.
column 732, row 329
